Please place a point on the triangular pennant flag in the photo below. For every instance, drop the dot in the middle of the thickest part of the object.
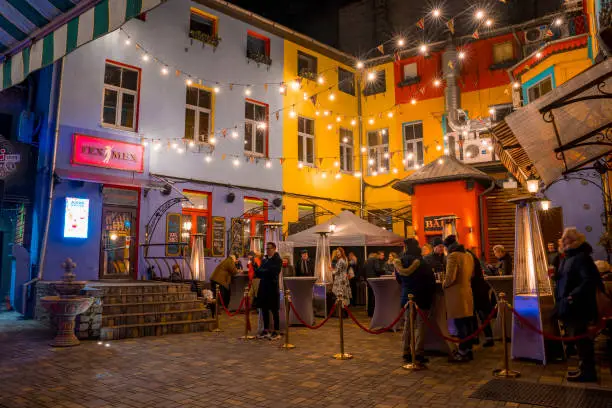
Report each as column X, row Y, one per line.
column 266, row 87
column 476, row 35
column 281, row 160
column 224, row 132
column 320, row 161
column 506, row 91
column 451, row 65
column 422, row 90
column 223, row 156
column 549, row 33
column 177, row 73
column 451, row 25
column 251, row 159
column 277, row 114
column 381, row 48
column 231, row 87
column 396, row 57
column 421, row 24
column 313, row 99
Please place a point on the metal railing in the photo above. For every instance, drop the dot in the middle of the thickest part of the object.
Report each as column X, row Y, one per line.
column 164, row 267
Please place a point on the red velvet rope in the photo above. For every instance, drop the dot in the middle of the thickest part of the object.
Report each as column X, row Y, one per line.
column 230, row 314
column 472, row 336
column 315, row 327
column 377, row 331
column 590, row 333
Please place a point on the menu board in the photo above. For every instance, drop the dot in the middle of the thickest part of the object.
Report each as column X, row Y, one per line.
column 236, row 237
column 173, row 234
column 76, row 217
column 218, row 236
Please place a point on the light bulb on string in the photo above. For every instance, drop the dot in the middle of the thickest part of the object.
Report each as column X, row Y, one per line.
column 208, row 158
column 390, row 114
column 282, row 89
column 363, row 149
column 538, row 55
column 436, row 12
column 558, row 21
column 371, row 121
column 438, row 147
column 332, row 96
column 320, row 79
column 437, row 82
column 479, row 14
column 423, row 48
column 345, row 139
column 417, row 166
column 324, row 175
column 234, row 134
column 461, row 55
column 489, row 22
column 371, row 162
column 295, row 85
column 371, row 76
column 262, row 125
column 157, row 145
column 357, row 174
column 446, row 151
column 353, row 122
column 145, row 57
column 394, row 170
column 413, row 101
column 216, row 89
column 330, row 127
column 174, row 145
column 180, row 150
column 338, row 119
column 409, row 156
column 191, row 143
column 317, row 113
column 440, row 161
column 164, row 70
column 326, row 113
column 401, row 42
column 292, row 112
column 213, row 140
column 338, row 176
column 336, row 163
column 128, row 41
column 189, row 82
column 305, row 96
column 247, row 91
column 386, row 155
column 516, row 85
column 360, row 65
column 236, row 162
column 491, row 111
column 300, row 165
column 268, row 164
column 375, row 173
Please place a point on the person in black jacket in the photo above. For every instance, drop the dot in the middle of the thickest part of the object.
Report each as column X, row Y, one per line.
column 372, row 269
column 504, row 262
column 482, row 300
column 268, row 295
column 304, row 266
column 575, row 291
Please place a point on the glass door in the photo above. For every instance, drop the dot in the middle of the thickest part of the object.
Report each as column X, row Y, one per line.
column 118, row 243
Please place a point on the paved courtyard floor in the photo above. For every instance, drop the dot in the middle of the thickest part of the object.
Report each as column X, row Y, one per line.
column 218, row 370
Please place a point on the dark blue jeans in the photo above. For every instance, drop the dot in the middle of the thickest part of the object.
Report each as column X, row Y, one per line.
column 464, row 326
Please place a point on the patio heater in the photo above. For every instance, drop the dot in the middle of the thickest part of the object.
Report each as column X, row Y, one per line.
column 323, row 275
column 533, row 297
column 198, row 268
column 449, row 226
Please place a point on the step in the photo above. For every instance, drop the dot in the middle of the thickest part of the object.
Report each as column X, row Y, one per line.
column 151, row 307
column 150, row 318
column 165, row 302
column 115, row 316
column 109, row 289
column 155, row 329
column 150, row 297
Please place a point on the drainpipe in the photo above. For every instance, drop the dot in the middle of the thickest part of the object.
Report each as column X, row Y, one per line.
column 58, row 75
column 360, row 138
column 481, row 205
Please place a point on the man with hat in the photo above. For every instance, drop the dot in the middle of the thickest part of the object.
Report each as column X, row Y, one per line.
column 458, row 294
column 436, row 259
column 304, row 266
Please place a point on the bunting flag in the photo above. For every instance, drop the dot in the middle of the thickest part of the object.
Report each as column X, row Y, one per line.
column 476, row 35
column 224, row 132
column 422, row 90
column 277, row 114
column 421, row 23
column 506, row 91
column 381, row 48
column 251, row 159
column 451, row 25
column 320, row 161
column 231, row 87
column 396, row 57
column 223, row 156
column 266, row 87
column 549, row 33
column 281, row 160
column 451, row 64
column 177, row 73
column 313, row 100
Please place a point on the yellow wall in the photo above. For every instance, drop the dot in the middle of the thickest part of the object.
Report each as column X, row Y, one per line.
column 309, row 181
column 567, row 65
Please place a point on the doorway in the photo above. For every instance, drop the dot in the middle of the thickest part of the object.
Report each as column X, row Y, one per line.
column 118, row 252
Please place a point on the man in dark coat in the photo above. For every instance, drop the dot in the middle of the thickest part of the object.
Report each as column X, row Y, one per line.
column 436, row 259
column 482, row 300
column 268, row 295
column 575, row 291
column 372, row 269
column 304, row 266
column 417, row 279
column 504, row 262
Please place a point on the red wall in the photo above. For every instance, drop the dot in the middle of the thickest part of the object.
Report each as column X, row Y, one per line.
column 449, row 198
column 475, row 72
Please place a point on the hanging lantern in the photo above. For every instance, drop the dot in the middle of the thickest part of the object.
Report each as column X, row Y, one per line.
column 332, row 227
column 533, row 184
column 545, row 203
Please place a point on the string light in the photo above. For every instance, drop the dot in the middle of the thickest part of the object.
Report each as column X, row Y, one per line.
column 326, row 113
column 164, row 71
column 390, row 114
column 489, row 22
column 479, row 14
column 558, row 21
column 363, row 149
column 338, row 176
column 268, row 164
column 305, row 96
column 360, row 64
column 128, row 41
column 440, row 161
column 236, row 162
column 145, row 57
column 337, row 163
column 234, row 134
column 357, row 174
column 208, row 158
column 321, row 80
column 212, row 140
column 394, row 170
column 409, row 156
column 423, row 48
column 338, row 119
column 371, row 121
column 144, row 142
column 189, row 82
column 180, row 150
column 329, row 127
column 436, row 12
column 461, row 55
column 300, row 165
column 437, row 82
column 401, row 42
column 317, row 113
column 247, row 91
column 174, row 145
column 353, row 122
column 375, row 173
column 282, row 89
column 516, row 85
column 157, row 145
column 371, row 76
column 324, row 175
column 538, row 54
column 295, row 85
column 413, row 101
column 216, row 89
column 371, row 162
column 332, row 96
column 191, row 143
column 386, row 155
column 491, row 111
column 446, row 151
column 292, row 113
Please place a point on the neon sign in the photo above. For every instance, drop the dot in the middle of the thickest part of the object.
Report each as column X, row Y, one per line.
column 76, row 217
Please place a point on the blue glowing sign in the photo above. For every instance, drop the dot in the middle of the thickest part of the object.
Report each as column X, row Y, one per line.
column 76, row 218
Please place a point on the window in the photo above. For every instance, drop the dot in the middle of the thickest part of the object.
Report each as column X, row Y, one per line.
column 197, row 213
column 258, row 48
column 413, row 144
column 346, row 149
column 306, row 215
column 378, row 85
column 410, row 71
column 255, row 128
column 203, row 27
column 198, row 114
column 503, row 52
column 346, row 81
column 306, row 141
column 256, row 215
column 378, row 151
column 541, row 88
column 307, row 65
column 381, row 218
column 499, row 112
column 120, row 104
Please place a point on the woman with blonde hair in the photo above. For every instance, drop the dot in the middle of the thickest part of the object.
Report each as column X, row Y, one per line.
column 341, row 286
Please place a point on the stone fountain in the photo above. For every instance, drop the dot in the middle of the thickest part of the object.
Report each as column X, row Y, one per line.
column 66, row 305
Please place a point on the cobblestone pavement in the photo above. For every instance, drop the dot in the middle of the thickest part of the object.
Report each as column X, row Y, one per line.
column 216, row 369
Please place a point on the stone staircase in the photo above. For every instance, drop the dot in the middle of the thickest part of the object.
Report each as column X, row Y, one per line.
column 139, row 309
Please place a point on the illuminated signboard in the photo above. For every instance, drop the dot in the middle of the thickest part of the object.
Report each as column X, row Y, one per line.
column 107, row 153
column 76, row 218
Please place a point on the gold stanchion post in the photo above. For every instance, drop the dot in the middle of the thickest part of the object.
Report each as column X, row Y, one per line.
column 245, row 297
column 342, row 355
column 506, row 372
column 414, row 365
column 217, row 310
column 287, row 345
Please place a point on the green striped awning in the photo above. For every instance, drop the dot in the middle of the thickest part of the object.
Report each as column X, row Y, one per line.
column 77, row 22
